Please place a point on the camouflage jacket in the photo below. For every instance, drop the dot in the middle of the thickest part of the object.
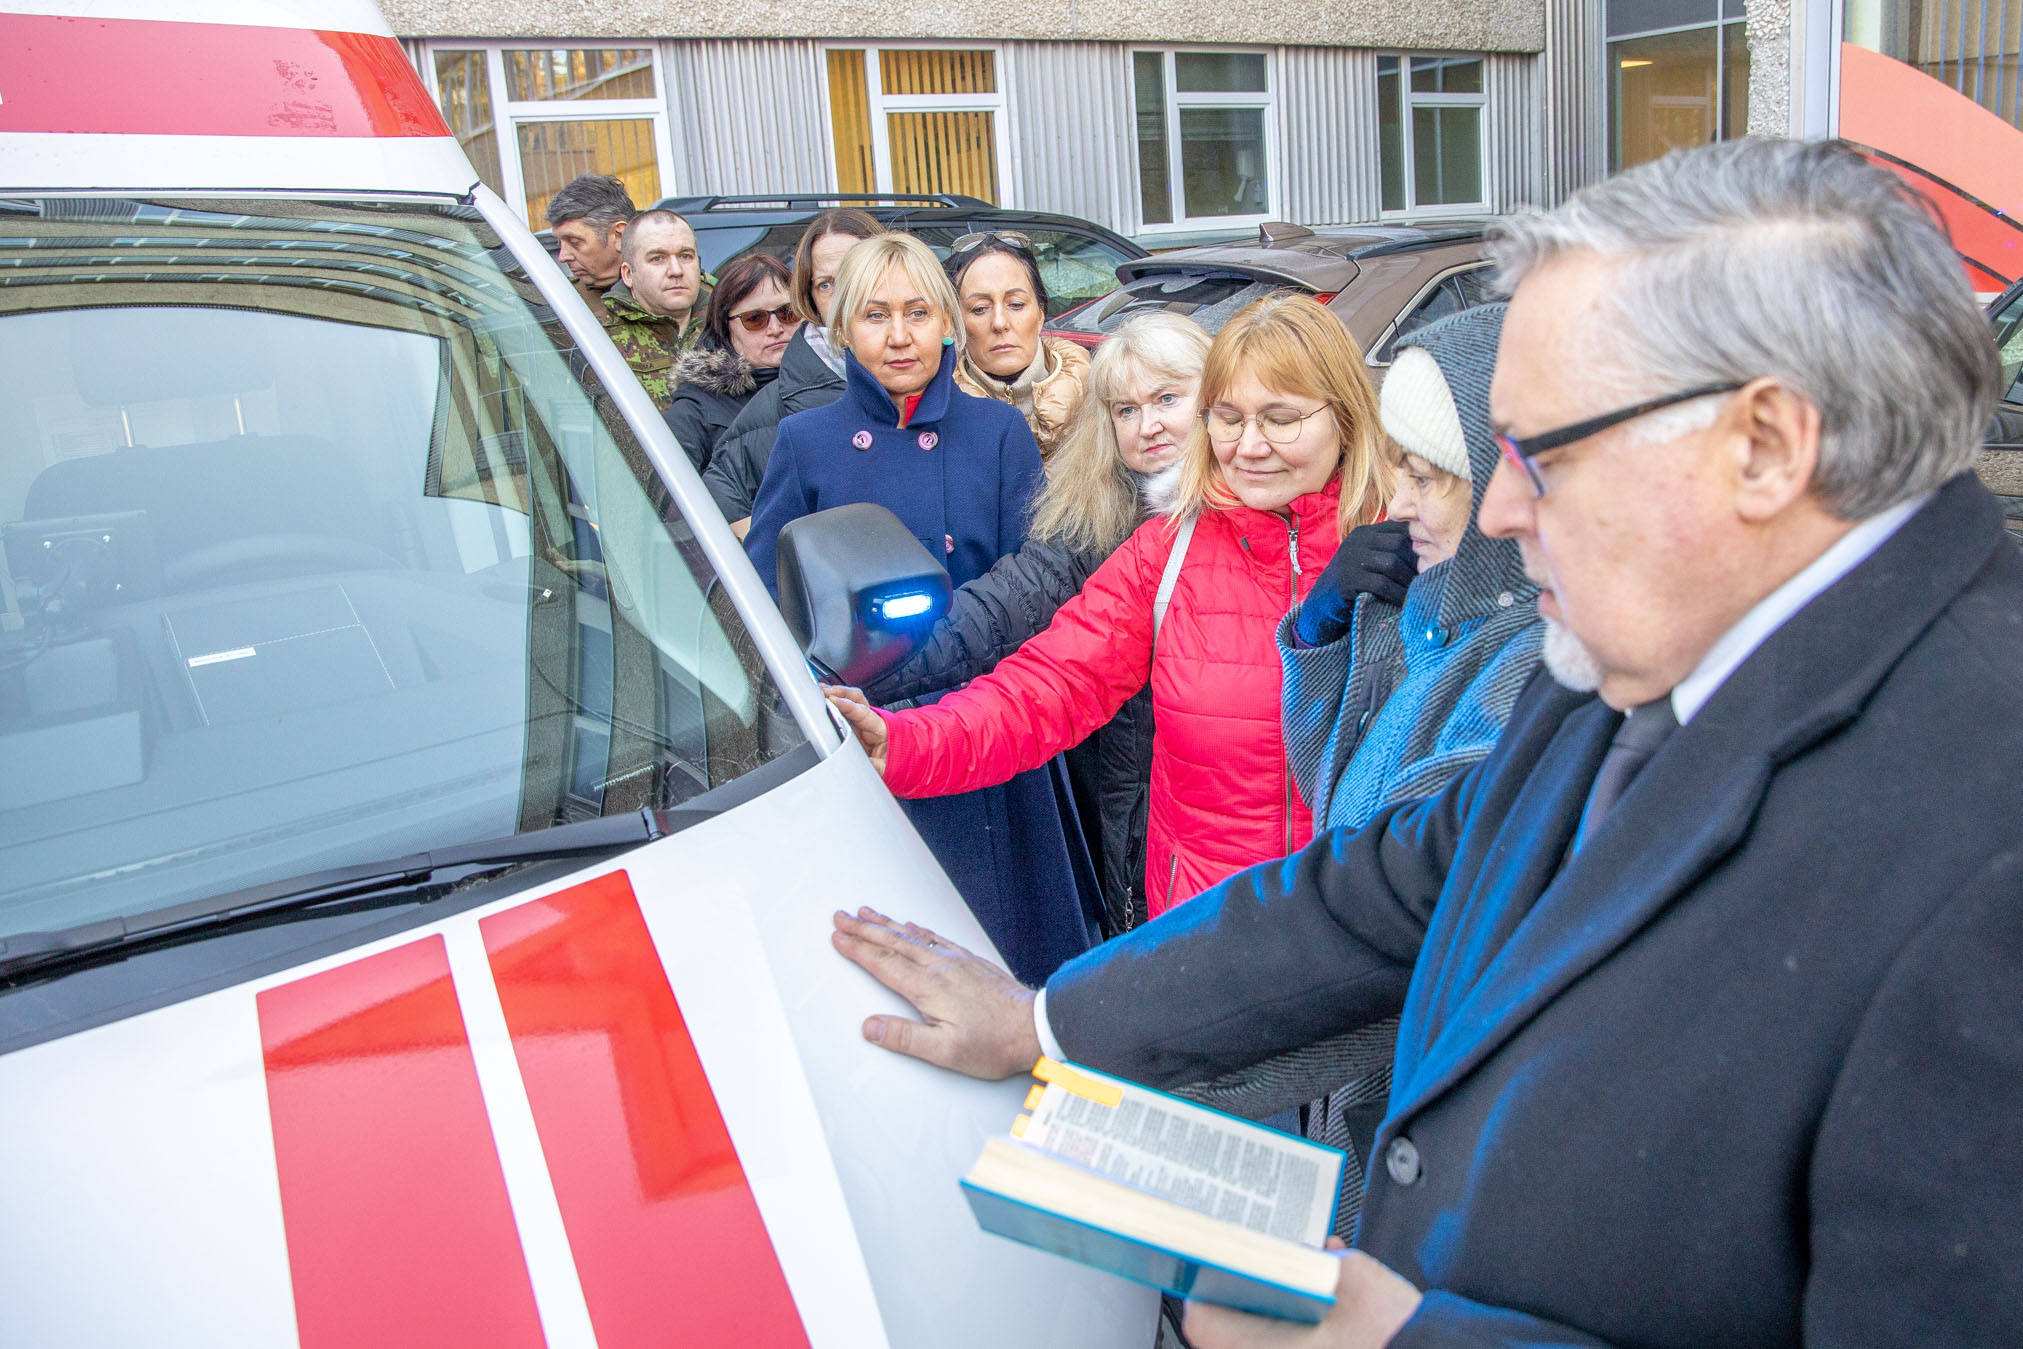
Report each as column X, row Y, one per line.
column 648, row 342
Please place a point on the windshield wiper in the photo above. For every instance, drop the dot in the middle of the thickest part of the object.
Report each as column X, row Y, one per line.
column 29, row 954
column 94, row 942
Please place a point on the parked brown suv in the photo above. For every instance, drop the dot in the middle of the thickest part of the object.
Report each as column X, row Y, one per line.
column 1382, row 281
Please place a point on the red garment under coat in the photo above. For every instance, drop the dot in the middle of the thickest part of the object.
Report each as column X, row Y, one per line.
column 1222, row 797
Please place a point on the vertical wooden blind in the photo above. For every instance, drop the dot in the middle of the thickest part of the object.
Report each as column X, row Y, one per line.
column 552, row 153
column 1971, row 45
column 931, row 151
column 570, row 74
column 938, row 72
column 850, row 121
column 944, row 152
column 464, row 89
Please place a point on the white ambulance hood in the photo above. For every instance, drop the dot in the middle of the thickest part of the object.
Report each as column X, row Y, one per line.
column 629, row 1108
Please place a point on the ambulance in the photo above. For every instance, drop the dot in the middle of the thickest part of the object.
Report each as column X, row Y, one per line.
column 418, row 828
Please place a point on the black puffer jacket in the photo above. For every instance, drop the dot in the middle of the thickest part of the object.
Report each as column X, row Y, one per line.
column 739, row 462
column 990, row 618
column 712, row 386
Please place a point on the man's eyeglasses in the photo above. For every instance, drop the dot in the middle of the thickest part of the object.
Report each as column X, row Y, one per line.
column 1524, row 453
column 1012, row 237
column 1280, row 426
column 756, row 320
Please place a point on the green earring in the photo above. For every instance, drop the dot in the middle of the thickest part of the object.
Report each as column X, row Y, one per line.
column 947, row 341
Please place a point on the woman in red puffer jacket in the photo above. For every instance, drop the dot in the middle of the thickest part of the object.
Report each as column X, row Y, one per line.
column 1283, row 465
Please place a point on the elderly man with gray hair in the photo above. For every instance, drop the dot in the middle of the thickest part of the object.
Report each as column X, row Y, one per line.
column 1711, row 976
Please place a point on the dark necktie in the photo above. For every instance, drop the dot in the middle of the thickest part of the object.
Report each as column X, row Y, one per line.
column 1644, row 729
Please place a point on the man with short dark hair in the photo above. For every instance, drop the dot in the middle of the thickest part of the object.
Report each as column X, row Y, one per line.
column 588, row 219
column 1711, row 976
column 655, row 308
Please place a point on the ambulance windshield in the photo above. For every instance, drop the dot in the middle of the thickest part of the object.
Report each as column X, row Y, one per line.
column 315, row 549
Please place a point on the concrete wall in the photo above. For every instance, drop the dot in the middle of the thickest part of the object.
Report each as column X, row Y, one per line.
column 1769, row 29
column 1459, row 25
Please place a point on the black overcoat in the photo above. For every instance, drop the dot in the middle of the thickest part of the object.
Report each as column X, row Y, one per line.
column 1748, row 1068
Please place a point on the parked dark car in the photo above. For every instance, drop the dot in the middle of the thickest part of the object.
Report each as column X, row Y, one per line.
column 1382, row 281
column 2001, row 463
column 1078, row 258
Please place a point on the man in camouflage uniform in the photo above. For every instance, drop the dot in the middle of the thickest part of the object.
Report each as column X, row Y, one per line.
column 588, row 219
column 655, row 309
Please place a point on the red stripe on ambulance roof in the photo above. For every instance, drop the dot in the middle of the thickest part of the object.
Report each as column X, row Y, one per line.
column 154, row 77
column 667, row 1237
column 399, row 1229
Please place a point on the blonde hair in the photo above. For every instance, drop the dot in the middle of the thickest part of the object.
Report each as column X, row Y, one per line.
column 1091, row 499
column 867, row 261
column 1292, row 344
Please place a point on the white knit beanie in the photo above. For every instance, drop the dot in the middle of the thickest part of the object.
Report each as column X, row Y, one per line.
column 1417, row 409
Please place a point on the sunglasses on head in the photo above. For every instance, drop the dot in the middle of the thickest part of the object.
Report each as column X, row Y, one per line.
column 755, row 320
column 1012, row 237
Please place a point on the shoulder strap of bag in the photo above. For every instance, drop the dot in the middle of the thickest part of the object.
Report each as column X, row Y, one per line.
column 1171, row 576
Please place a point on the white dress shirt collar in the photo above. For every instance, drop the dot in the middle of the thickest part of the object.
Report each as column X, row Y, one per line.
column 1776, row 608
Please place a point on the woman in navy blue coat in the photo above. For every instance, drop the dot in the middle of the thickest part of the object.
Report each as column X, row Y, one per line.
column 961, row 473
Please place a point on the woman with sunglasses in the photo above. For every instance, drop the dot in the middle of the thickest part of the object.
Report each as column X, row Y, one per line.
column 1004, row 304
column 811, row 373
column 1282, row 463
column 746, row 330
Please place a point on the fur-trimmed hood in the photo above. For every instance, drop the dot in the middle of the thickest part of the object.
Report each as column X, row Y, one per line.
column 716, row 370
column 1161, row 491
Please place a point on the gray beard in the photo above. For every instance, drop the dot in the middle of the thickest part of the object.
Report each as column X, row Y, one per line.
column 1569, row 661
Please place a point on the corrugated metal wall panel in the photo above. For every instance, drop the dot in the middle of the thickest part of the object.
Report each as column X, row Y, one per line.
column 1514, row 134
column 1072, row 136
column 1574, row 110
column 747, row 116
column 1327, row 134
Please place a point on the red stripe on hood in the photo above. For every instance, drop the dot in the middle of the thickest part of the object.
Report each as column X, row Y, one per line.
column 399, row 1229
column 667, row 1236
column 155, row 77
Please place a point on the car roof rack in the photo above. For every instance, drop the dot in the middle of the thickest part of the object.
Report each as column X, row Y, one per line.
column 791, row 199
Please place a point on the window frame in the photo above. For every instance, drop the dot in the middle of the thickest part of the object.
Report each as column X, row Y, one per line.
column 879, row 104
column 1408, row 102
column 1176, row 102
column 1383, row 350
column 507, row 114
column 1612, row 107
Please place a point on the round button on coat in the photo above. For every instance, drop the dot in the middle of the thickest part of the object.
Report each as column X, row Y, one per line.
column 1401, row 1159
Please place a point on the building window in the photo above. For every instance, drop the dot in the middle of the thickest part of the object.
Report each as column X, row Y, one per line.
column 1204, row 136
column 532, row 118
column 1678, row 76
column 1429, row 133
column 918, row 120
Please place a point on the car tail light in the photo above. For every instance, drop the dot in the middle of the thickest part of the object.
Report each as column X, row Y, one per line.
column 1088, row 341
column 1323, row 296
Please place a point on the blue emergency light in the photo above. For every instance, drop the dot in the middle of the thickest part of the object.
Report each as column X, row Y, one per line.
column 906, row 604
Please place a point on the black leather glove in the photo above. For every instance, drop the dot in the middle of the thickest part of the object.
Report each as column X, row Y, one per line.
column 1374, row 560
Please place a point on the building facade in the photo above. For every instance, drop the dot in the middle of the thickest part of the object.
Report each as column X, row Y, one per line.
column 1285, row 109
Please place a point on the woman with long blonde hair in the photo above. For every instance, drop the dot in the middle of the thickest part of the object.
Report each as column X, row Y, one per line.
column 1281, row 463
column 1144, row 401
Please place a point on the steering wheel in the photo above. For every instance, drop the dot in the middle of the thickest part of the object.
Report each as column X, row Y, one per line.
column 259, row 556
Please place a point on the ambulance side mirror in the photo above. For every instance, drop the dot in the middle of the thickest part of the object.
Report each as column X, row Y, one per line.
column 859, row 593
